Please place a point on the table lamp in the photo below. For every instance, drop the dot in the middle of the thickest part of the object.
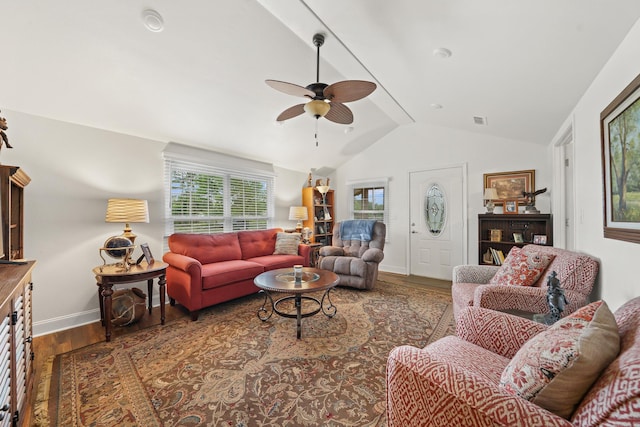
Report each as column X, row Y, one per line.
column 127, row 211
column 490, row 194
column 298, row 213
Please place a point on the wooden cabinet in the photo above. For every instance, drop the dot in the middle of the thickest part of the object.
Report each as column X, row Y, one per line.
column 12, row 183
column 497, row 232
column 321, row 215
column 16, row 354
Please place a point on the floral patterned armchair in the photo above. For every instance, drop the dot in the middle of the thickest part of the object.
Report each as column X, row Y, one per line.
column 455, row 380
column 577, row 273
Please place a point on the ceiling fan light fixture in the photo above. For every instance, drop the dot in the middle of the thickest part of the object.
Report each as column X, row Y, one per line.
column 317, row 108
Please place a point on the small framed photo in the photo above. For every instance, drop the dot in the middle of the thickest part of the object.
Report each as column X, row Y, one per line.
column 540, row 239
column 517, row 237
column 495, row 235
column 147, row 253
column 510, row 206
column 321, row 229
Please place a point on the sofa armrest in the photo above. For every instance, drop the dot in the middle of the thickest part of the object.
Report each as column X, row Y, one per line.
column 331, row 251
column 305, row 252
column 500, row 333
column 421, row 386
column 373, row 255
column 189, row 265
column 474, row 273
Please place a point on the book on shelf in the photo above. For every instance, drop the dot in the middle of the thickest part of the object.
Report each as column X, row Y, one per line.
column 497, row 256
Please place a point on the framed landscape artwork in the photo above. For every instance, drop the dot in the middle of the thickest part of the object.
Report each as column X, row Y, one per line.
column 620, row 138
column 510, row 185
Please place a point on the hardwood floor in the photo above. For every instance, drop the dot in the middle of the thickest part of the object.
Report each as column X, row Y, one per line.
column 67, row 340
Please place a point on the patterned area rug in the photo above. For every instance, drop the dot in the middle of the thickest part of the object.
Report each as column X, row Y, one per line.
column 229, row 368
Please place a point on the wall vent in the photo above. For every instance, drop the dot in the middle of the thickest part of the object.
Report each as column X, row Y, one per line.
column 480, row 120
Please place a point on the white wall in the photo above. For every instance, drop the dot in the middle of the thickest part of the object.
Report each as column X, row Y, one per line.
column 618, row 274
column 421, row 147
column 74, row 170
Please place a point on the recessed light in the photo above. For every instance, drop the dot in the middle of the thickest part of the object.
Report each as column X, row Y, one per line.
column 436, row 106
column 442, row 53
column 152, row 20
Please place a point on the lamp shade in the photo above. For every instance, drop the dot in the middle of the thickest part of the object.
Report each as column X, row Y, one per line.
column 127, row 210
column 490, row 194
column 317, row 108
column 322, row 189
column 298, row 213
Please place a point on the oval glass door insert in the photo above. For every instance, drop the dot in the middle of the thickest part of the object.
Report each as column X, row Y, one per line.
column 435, row 210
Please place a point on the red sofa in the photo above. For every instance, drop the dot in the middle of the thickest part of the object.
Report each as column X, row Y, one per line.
column 207, row 269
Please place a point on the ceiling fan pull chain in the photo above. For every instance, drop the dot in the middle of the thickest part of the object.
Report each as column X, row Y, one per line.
column 316, row 135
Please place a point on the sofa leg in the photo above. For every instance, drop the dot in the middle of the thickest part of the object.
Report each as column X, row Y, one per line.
column 194, row 315
column 172, row 301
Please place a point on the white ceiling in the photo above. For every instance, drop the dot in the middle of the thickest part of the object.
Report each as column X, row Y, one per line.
column 521, row 64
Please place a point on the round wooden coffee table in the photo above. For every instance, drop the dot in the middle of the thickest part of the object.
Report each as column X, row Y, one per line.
column 282, row 280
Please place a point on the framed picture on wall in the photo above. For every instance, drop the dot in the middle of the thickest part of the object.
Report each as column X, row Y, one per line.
column 619, row 127
column 510, row 185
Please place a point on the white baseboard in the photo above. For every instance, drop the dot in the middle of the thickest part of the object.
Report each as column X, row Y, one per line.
column 394, row 269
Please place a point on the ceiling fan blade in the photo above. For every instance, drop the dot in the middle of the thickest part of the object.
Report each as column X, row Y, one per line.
column 290, row 88
column 349, row 90
column 291, row 112
column 339, row 113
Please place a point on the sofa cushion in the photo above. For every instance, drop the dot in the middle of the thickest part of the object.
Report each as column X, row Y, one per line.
column 206, row 248
column 255, row 243
column 521, row 268
column 287, row 244
column 271, row 262
column 227, row 272
column 557, row 367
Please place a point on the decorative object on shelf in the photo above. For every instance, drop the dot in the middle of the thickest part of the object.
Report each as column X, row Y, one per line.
column 490, row 194
column 299, row 214
column 517, row 238
column 495, row 235
column 539, row 239
column 127, row 306
column 510, row 185
column 323, row 189
column 511, row 207
column 530, row 200
column 621, row 215
column 3, row 135
column 127, row 211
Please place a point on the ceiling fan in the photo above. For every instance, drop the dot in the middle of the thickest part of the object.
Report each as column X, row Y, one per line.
column 324, row 100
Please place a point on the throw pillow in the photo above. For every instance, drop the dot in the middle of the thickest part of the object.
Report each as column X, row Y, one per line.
column 287, row 243
column 556, row 368
column 521, row 268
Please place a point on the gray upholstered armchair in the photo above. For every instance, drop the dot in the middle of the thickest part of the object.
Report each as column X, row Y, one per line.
column 355, row 259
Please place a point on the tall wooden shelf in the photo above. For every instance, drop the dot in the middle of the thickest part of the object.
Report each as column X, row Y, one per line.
column 528, row 225
column 12, row 183
column 318, row 222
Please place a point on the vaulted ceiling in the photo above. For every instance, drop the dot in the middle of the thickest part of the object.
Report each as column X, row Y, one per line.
column 520, row 66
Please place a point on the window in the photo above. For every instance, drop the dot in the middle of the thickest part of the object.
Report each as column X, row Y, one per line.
column 370, row 200
column 205, row 198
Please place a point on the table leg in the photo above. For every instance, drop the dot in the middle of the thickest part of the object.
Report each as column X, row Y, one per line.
column 101, row 304
column 161, row 281
column 106, row 296
column 150, row 292
column 299, row 315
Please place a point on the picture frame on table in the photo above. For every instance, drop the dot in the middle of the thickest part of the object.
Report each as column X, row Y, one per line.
column 511, row 185
column 517, row 238
column 147, row 253
column 540, row 239
column 510, row 207
column 619, row 124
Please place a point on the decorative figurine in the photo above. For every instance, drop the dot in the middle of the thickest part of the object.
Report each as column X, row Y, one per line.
column 309, row 180
column 531, row 200
column 555, row 298
column 3, row 135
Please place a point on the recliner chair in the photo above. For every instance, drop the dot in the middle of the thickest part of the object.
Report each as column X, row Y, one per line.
column 354, row 261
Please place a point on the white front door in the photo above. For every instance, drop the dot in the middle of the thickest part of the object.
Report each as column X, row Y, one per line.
column 438, row 225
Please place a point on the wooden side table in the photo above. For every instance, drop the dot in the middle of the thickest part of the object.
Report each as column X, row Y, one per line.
column 109, row 275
